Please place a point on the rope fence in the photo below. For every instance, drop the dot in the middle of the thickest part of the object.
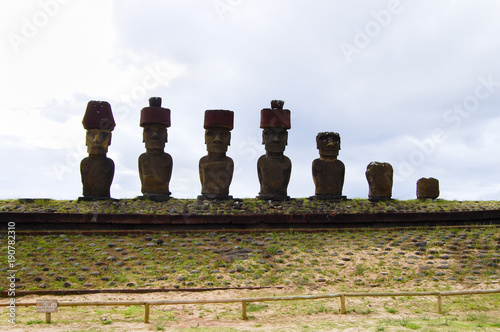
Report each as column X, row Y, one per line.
column 245, row 301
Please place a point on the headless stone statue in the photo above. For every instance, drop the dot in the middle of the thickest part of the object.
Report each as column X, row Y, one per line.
column 97, row 170
column 328, row 172
column 216, row 169
column 155, row 166
column 379, row 176
column 274, row 168
column 427, row 188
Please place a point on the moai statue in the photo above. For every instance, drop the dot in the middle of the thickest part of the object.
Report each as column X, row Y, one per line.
column 274, row 168
column 216, row 169
column 97, row 170
column 379, row 176
column 155, row 166
column 427, row 188
column 328, row 172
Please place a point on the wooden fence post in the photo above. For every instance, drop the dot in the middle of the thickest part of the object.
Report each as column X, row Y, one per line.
column 342, row 304
column 439, row 309
column 146, row 313
column 243, row 310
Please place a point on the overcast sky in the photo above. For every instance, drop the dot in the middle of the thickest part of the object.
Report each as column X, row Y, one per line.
column 412, row 83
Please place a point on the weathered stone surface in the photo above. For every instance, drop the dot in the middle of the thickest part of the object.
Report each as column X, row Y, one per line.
column 379, row 176
column 328, row 172
column 274, row 168
column 155, row 166
column 216, row 169
column 97, row 173
column 97, row 170
column 427, row 188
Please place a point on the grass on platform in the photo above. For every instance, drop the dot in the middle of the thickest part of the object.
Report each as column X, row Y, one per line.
column 244, row 206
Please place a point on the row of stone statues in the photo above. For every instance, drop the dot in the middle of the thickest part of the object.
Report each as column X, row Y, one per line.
column 216, row 169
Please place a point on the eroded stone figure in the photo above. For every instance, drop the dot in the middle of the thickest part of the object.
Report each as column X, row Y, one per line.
column 216, row 169
column 97, row 170
column 379, row 176
column 427, row 188
column 155, row 165
column 328, row 172
column 274, row 168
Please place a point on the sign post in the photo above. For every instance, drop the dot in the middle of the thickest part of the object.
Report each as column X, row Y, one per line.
column 47, row 307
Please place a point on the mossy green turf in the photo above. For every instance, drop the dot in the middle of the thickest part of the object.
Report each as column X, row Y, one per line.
column 363, row 260
column 244, row 206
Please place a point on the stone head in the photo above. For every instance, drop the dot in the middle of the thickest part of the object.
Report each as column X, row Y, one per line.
column 328, row 144
column 275, row 122
column 217, row 139
column 155, row 120
column 218, row 125
column 99, row 122
column 275, row 139
column 154, row 136
column 97, row 141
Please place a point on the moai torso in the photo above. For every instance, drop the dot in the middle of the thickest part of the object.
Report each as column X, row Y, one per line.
column 328, row 176
column 155, row 171
column 379, row 176
column 427, row 188
column 216, row 175
column 97, row 176
column 274, row 175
